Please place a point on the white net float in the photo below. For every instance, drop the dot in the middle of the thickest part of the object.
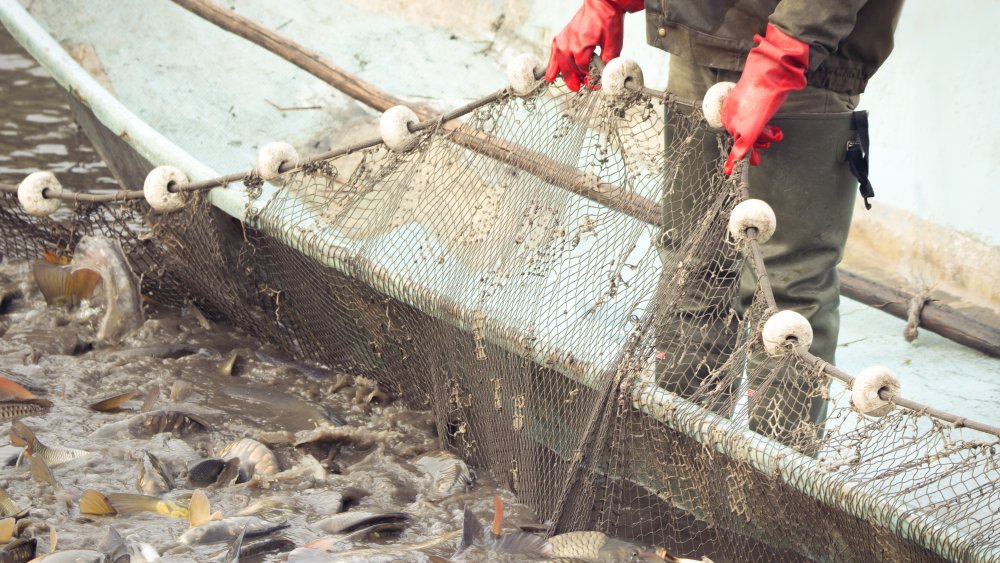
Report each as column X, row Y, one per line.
column 271, row 156
column 784, row 328
column 754, row 213
column 156, row 188
column 31, row 194
column 711, row 105
column 617, row 73
column 865, row 390
column 521, row 74
column 394, row 127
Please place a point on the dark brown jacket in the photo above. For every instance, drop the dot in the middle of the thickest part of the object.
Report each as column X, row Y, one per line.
column 848, row 39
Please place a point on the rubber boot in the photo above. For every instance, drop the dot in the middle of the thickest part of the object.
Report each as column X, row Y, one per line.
column 806, row 180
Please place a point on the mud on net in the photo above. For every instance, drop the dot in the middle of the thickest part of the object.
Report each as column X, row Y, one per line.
column 594, row 357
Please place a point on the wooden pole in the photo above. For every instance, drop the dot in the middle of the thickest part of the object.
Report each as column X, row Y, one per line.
column 935, row 317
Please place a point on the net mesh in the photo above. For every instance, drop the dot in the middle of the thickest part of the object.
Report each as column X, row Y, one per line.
column 591, row 356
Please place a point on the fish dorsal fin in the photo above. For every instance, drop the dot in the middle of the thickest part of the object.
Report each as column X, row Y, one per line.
column 7, row 527
column 201, row 510
column 472, row 530
column 233, row 555
column 40, row 472
column 152, row 395
column 20, row 434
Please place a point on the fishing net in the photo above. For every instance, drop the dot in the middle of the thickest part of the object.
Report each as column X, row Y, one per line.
column 560, row 288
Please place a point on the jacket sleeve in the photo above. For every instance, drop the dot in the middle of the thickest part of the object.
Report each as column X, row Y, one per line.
column 821, row 24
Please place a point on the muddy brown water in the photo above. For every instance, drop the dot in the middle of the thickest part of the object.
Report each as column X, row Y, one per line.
column 53, row 349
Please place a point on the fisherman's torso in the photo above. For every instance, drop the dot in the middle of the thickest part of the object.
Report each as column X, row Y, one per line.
column 719, row 33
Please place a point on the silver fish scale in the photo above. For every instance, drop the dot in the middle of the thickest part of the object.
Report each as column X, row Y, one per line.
column 228, row 528
column 578, row 544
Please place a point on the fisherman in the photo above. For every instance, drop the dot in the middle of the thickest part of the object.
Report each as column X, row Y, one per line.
column 799, row 66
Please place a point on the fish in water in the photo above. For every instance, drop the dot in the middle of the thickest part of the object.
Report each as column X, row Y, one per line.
column 307, row 370
column 95, row 503
column 70, row 555
column 231, row 366
column 19, row 550
column 233, row 553
column 599, row 547
column 14, row 550
column 73, row 556
column 149, row 424
column 128, row 503
column 255, row 458
column 8, row 508
column 448, row 473
column 154, row 478
column 11, row 389
column 347, row 522
column 22, row 435
column 113, row 403
column 41, row 473
column 61, row 286
column 228, row 528
column 306, row 414
column 11, row 409
column 515, row 543
column 114, row 546
column 215, row 471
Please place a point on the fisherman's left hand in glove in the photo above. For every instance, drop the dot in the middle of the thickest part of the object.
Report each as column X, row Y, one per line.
column 598, row 23
column 775, row 67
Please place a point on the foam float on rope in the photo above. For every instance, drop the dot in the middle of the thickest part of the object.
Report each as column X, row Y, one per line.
column 156, row 188
column 865, row 391
column 394, row 127
column 617, row 74
column 32, row 194
column 522, row 71
column 272, row 156
column 786, row 329
column 752, row 213
column 711, row 105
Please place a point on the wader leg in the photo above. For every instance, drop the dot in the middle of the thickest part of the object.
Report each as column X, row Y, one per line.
column 697, row 325
column 806, row 180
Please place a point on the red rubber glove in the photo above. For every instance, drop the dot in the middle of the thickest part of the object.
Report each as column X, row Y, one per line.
column 775, row 67
column 598, row 23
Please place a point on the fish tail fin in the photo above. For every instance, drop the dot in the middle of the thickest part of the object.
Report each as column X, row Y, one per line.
column 127, row 503
column 14, row 389
column 7, row 528
column 201, row 509
column 96, row 504
column 80, row 285
column 51, row 280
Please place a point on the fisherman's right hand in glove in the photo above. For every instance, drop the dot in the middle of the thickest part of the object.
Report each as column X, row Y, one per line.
column 598, row 23
column 775, row 67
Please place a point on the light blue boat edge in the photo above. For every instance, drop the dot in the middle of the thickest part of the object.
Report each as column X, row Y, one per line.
column 792, row 468
column 145, row 140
